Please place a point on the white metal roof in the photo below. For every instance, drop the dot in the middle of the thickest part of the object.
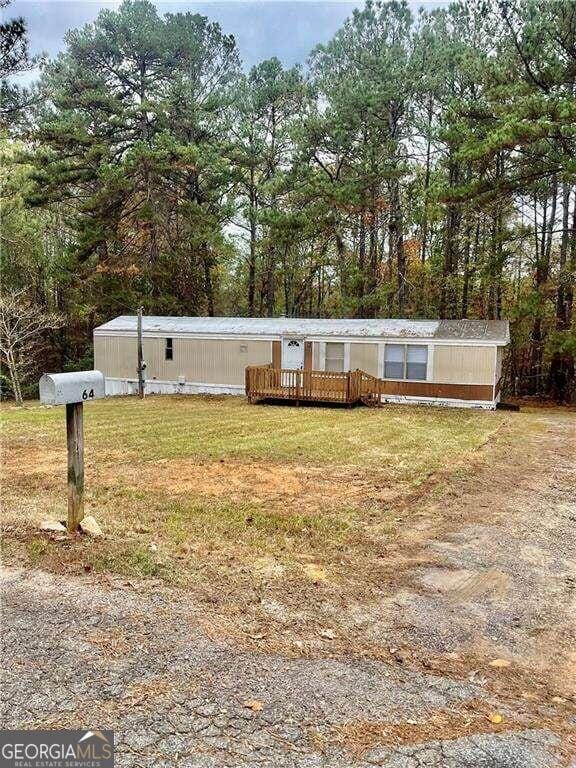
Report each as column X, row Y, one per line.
column 495, row 331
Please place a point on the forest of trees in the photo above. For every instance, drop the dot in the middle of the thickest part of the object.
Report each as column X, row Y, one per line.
column 417, row 165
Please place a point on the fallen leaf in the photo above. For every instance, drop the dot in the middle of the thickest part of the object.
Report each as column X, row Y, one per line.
column 314, row 572
column 495, row 717
column 529, row 696
column 402, row 655
column 476, row 677
column 500, row 663
column 254, row 704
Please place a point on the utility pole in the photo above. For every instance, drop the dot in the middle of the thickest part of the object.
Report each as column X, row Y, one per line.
column 141, row 365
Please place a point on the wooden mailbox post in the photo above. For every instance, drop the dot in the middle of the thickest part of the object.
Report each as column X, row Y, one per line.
column 73, row 390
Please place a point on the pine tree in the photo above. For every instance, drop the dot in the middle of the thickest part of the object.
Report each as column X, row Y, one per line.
column 136, row 114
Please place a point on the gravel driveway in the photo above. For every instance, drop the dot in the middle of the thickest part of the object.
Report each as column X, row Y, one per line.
column 177, row 698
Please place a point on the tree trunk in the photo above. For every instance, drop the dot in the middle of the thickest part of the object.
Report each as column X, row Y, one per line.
column 569, row 290
column 342, row 273
column 373, row 252
column 288, row 285
column 450, row 261
column 208, row 283
column 252, row 257
column 562, row 363
column 564, row 274
column 468, row 270
column 543, row 252
column 397, row 243
column 270, row 298
column 550, row 230
column 14, row 377
column 427, row 174
column 361, row 289
column 496, row 254
column 495, row 271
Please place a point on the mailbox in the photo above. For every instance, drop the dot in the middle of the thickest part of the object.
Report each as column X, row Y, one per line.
column 77, row 387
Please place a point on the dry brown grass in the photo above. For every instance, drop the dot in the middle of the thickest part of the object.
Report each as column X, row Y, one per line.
column 469, row 719
column 192, row 490
column 358, row 736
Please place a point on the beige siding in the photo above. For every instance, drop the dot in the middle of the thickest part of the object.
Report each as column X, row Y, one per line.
column 365, row 357
column 223, row 361
column 206, row 361
column 499, row 356
column 459, row 364
column 116, row 356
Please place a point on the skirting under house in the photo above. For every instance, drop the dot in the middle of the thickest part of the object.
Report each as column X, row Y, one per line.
column 444, row 362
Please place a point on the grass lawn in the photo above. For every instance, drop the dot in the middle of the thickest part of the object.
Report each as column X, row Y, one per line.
column 198, row 489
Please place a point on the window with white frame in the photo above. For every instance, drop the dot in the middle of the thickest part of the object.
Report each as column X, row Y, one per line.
column 334, row 356
column 394, row 361
column 405, row 361
column 416, row 361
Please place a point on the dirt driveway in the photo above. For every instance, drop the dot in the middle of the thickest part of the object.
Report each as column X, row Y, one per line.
column 465, row 658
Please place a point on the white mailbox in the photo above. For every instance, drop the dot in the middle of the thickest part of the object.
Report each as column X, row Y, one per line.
column 77, row 387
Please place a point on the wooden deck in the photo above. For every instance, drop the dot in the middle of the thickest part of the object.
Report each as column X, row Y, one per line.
column 267, row 383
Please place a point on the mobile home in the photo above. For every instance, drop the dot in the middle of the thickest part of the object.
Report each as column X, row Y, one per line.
column 452, row 362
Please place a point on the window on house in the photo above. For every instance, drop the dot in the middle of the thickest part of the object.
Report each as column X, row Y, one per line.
column 394, row 361
column 405, row 361
column 169, row 350
column 334, row 356
column 416, row 362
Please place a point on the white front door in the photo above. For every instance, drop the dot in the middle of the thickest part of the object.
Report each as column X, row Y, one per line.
column 293, row 353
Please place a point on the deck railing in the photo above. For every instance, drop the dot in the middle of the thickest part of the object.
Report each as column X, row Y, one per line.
column 265, row 382
column 370, row 386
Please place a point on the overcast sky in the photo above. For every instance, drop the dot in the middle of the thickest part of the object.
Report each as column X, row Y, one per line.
column 288, row 29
